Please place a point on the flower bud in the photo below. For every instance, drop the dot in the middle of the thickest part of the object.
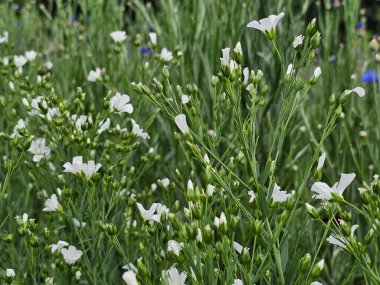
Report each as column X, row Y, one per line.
column 318, row 268
column 312, row 211
column 305, row 263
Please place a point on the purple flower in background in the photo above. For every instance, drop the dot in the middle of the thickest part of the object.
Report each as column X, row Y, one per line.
column 370, row 77
column 332, row 59
column 145, row 51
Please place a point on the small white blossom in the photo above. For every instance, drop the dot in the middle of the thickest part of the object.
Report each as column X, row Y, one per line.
column 324, row 191
column 175, row 278
column 210, row 189
column 289, row 70
column 252, row 196
column 4, row 37
column 39, row 149
column 166, row 55
column 153, row 38
column 138, row 131
column 52, row 204
column 237, row 282
column 266, row 24
column 129, row 278
column 118, row 36
column 94, row 75
column 30, row 55
column 10, row 273
column 238, row 49
column 78, row 224
column 174, row 246
column 185, row 99
column 246, row 75
column 60, row 244
column 225, row 60
column 165, row 182
column 220, row 221
column 317, row 72
column 321, row 160
column 71, row 254
column 358, row 90
column 238, row 247
column 278, row 195
column 77, row 166
column 120, row 104
column 104, row 125
column 181, row 123
column 78, row 274
column 19, row 61
column 298, row 41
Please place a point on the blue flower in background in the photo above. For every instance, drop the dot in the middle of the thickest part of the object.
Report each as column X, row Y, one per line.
column 149, row 27
column 145, row 51
column 369, row 77
column 359, row 25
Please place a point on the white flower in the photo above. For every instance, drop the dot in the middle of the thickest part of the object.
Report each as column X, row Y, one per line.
column 238, row 247
column 298, row 41
column 174, row 246
column 320, row 264
column 118, row 36
column 75, row 166
column 237, row 282
column 4, row 37
column 278, row 195
column 181, row 123
column 19, row 61
column 316, row 283
column 78, row 224
column 185, row 99
column 120, row 104
column 153, row 38
column 266, row 24
column 159, row 211
column 210, row 189
column 78, row 274
column 252, row 196
column 138, row 131
column 321, row 160
column 175, row 278
column 147, row 215
column 358, row 90
column 341, row 241
column 30, row 55
column 165, row 182
column 39, row 149
column 317, row 72
column 246, row 75
column 49, row 65
column 94, row 75
column 225, row 60
column 10, row 273
column 51, row 204
column 238, row 49
column 199, row 235
column 289, row 69
column 220, row 221
column 52, row 112
column 6, row 60
column 324, row 191
column 166, row 55
column 90, row 168
column 11, row 85
column 104, row 125
column 71, row 254
column 19, row 126
column 129, row 278
column 60, row 244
